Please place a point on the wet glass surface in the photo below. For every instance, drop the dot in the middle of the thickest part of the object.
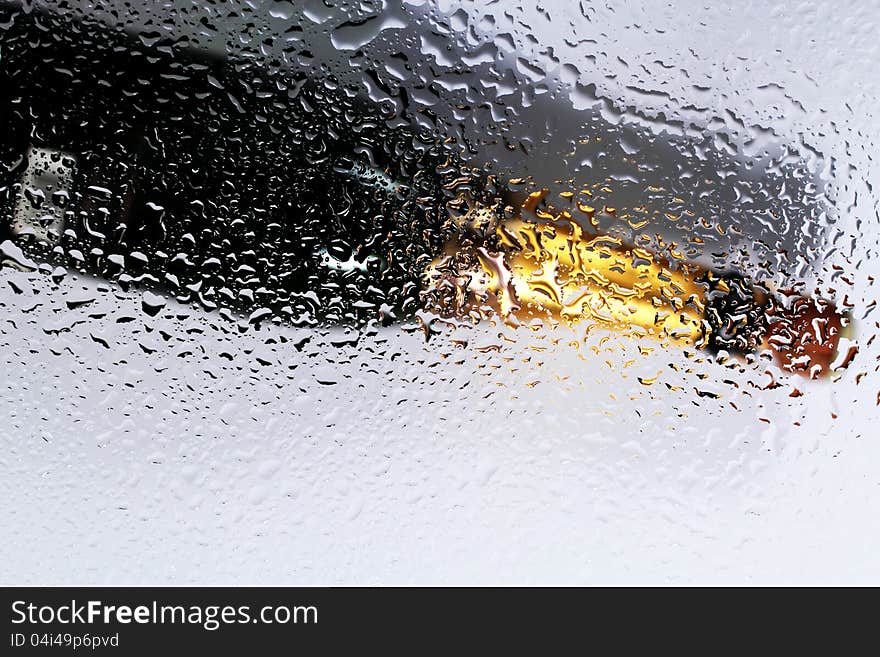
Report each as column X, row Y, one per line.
column 438, row 292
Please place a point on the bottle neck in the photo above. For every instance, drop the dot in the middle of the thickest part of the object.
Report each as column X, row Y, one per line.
column 553, row 270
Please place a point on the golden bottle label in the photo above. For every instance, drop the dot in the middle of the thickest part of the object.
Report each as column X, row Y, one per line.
column 555, row 271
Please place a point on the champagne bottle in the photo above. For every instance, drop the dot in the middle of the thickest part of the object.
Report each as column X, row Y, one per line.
column 283, row 196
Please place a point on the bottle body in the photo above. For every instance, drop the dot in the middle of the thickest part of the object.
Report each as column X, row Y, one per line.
column 217, row 182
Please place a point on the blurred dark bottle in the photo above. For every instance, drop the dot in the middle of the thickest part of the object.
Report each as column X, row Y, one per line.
column 283, row 196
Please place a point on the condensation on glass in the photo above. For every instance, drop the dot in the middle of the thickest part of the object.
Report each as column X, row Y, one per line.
column 438, row 291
